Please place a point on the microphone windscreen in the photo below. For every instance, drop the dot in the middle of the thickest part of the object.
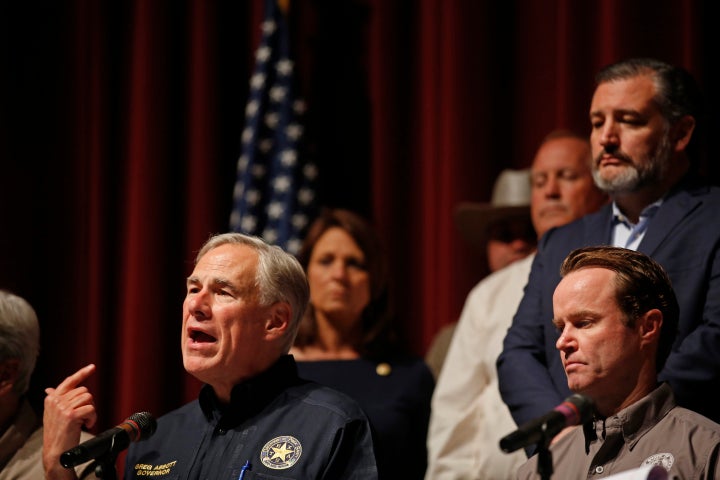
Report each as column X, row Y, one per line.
column 146, row 424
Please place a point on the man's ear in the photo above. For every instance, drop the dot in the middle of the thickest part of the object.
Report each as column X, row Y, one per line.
column 650, row 324
column 9, row 371
column 682, row 132
column 278, row 320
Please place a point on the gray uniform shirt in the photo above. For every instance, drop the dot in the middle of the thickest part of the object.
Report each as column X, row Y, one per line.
column 652, row 431
column 21, row 448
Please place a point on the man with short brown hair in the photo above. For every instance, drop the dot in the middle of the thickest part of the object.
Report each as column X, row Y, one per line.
column 617, row 316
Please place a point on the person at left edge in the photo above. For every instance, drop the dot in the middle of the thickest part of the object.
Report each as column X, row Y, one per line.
column 241, row 312
column 30, row 446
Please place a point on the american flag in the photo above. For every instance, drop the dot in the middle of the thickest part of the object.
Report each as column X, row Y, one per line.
column 274, row 193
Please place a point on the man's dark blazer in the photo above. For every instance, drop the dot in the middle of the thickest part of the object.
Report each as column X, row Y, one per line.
column 684, row 237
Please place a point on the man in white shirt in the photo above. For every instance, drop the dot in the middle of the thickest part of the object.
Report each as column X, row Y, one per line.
column 502, row 230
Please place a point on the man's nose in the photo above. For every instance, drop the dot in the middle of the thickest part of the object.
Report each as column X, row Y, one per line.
column 565, row 341
column 551, row 187
column 198, row 304
column 609, row 135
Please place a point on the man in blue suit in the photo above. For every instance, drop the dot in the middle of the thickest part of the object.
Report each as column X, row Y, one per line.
column 643, row 115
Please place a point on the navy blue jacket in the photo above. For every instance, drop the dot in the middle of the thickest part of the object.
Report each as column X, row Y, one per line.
column 282, row 426
column 684, row 237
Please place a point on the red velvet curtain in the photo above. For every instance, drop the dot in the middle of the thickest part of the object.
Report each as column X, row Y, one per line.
column 120, row 128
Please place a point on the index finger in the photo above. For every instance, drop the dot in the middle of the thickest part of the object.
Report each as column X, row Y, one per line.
column 75, row 379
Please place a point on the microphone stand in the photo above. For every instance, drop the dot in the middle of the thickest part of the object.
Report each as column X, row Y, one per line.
column 545, row 463
column 105, row 466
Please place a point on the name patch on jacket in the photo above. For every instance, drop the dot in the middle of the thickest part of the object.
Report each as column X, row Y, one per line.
column 149, row 470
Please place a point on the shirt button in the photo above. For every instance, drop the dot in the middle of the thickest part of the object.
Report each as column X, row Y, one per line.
column 599, row 469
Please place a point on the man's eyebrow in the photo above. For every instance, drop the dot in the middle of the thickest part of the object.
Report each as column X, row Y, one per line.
column 224, row 283
column 619, row 111
column 216, row 282
column 631, row 113
column 585, row 315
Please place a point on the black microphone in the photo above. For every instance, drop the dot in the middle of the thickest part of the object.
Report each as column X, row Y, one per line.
column 575, row 410
column 137, row 426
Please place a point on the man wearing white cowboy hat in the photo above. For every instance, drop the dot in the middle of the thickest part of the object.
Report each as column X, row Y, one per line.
column 468, row 415
column 501, row 229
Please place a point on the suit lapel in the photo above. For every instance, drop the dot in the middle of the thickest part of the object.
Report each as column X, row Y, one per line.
column 598, row 227
column 673, row 210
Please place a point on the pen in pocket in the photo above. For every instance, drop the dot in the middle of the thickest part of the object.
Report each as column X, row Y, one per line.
column 244, row 469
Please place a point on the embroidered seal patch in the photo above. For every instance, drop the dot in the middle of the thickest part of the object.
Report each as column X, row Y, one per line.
column 665, row 460
column 281, row 452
